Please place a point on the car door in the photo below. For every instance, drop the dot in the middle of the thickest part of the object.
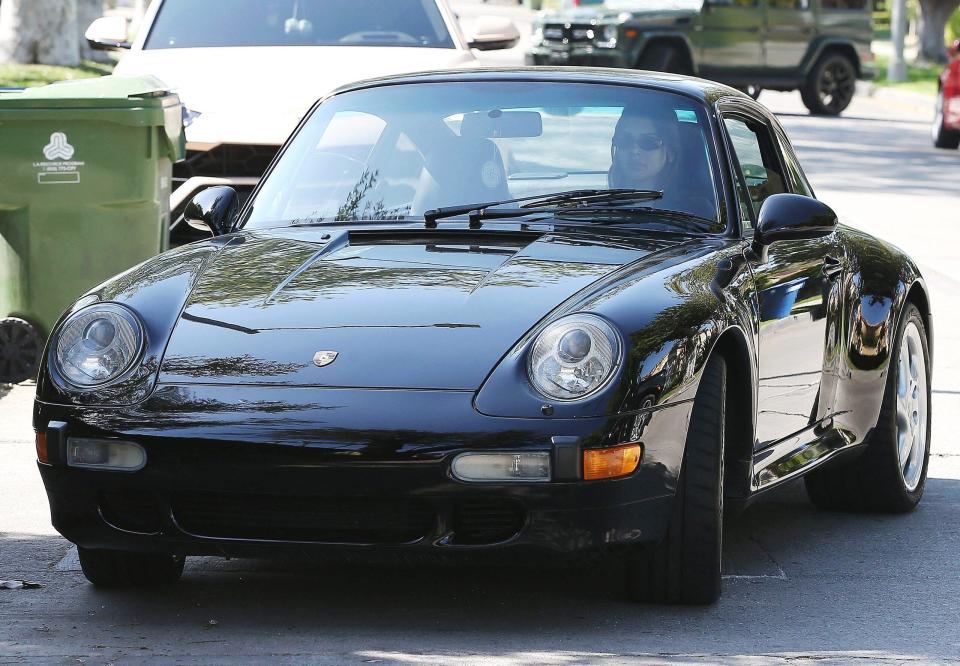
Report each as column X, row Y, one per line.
column 730, row 38
column 789, row 27
column 797, row 291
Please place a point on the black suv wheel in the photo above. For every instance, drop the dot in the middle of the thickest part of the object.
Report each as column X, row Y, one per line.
column 830, row 86
column 664, row 57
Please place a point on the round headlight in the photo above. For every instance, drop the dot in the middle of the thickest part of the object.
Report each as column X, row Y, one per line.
column 574, row 357
column 98, row 344
column 610, row 33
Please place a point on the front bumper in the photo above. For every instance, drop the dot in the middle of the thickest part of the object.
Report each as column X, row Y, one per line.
column 243, row 471
column 576, row 56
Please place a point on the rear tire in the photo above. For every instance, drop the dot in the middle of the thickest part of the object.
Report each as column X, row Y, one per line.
column 112, row 569
column 830, row 87
column 882, row 479
column 685, row 567
column 943, row 137
column 664, row 58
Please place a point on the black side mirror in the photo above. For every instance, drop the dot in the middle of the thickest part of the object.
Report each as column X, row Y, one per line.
column 214, row 209
column 792, row 217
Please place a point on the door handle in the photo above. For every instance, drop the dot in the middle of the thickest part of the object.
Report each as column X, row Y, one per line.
column 832, row 267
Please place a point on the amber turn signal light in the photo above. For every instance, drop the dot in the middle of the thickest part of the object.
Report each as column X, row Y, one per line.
column 42, row 454
column 613, row 462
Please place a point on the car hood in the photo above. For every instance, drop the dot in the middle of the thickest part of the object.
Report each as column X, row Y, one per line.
column 658, row 12
column 258, row 95
column 402, row 308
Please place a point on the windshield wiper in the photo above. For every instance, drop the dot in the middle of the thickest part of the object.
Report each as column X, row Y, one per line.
column 562, row 200
column 623, row 215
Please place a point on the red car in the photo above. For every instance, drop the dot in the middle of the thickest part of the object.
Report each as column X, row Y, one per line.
column 946, row 120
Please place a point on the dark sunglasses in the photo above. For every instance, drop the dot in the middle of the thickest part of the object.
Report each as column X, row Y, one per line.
column 647, row 142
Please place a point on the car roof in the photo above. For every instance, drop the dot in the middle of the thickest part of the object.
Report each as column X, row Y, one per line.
column 705, row 91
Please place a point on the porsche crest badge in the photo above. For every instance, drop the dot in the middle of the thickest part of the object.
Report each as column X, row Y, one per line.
column 324, row 358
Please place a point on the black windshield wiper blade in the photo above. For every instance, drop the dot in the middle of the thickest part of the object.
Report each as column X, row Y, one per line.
column 597, row 197
column 572, row 197
column 703, row 223
column 623, row 213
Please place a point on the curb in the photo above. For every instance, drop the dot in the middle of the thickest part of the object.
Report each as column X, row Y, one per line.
column 917, row 102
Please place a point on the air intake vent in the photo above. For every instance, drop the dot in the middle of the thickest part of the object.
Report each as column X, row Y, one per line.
column 269, row 518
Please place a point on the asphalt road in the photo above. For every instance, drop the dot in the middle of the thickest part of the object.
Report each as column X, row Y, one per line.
column 802, row 586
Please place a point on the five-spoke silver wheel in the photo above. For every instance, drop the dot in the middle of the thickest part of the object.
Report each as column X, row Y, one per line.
column 911, row 406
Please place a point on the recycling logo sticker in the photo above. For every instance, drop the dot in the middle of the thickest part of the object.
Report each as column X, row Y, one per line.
column 59, row 168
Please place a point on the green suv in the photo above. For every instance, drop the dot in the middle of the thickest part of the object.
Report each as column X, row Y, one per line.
column 820, row 47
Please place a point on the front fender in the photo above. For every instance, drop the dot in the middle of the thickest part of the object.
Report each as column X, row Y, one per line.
column 156, row 290
column 670, row 309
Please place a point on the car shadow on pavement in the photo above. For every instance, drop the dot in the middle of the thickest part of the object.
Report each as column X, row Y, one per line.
column 798, row 580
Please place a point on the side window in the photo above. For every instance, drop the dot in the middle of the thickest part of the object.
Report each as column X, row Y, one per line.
column 798, row 181
column 759, row 166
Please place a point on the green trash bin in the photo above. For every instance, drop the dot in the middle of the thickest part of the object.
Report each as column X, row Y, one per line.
column 85, row 179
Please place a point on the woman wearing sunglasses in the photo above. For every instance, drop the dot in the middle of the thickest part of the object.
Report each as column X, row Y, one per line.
column 643, row 150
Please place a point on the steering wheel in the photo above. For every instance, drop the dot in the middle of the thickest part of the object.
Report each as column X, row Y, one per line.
column 391, row 36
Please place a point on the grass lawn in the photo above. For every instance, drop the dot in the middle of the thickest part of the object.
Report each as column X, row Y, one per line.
column 921, row 79
column 25, row 76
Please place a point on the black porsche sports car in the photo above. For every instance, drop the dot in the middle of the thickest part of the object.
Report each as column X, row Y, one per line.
column 544, row 310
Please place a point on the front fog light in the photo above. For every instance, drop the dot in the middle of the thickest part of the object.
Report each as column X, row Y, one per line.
column 502, row 466
column 109, row 454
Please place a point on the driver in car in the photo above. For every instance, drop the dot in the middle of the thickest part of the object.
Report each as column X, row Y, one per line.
column 647, row 154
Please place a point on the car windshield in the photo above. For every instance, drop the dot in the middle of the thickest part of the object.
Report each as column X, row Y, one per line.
column 396, row 152
column 218, row 23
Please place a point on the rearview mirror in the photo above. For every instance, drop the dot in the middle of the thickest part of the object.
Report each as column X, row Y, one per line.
column 214, row 210
column 492, row 33
column 792, row 217
column 108, row 33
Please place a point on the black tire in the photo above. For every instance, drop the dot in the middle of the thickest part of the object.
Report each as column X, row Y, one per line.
column 943, row 137
column 685, row 567
column 114, row 569
column 20, row 348
column 830, row 87
column 873, row 481
column 664, row 58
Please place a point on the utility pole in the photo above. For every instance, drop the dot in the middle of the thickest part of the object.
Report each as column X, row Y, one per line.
column 897, row 69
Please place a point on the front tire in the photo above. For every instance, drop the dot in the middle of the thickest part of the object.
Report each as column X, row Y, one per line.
column 685, row 567
column 113, row 569
column 943, row 137
column 830, row 87
column 664, row 58
column 889, row 476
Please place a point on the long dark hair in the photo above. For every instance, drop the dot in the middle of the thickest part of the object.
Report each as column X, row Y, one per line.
column 665, row 122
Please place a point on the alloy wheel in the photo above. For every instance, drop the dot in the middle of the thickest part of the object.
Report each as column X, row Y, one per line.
column 912, row 407
column 837, row 85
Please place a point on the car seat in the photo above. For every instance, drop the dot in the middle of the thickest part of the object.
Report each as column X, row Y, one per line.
column 461, row 170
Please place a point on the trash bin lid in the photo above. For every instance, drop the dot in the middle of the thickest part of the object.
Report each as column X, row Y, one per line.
column 106, row 92
column 138, row 101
